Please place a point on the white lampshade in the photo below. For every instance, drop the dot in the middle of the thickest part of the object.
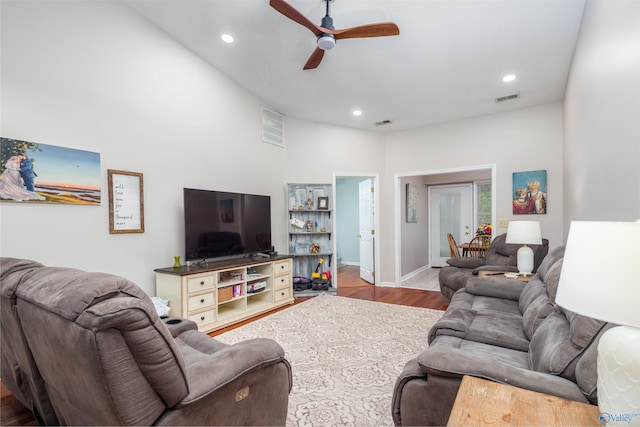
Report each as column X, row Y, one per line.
column 599, row 275
column 524, row 233
column 599, row 279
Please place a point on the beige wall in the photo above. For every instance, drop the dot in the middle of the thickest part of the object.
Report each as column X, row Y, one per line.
column 520, row 140
column 602, row 116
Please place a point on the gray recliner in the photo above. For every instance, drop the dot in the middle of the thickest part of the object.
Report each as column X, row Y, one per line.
column 500, row 256
column 84, row 348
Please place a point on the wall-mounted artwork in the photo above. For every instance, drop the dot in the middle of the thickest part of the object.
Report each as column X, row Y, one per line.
column 530, row 192
column 126, row 202
column 34, row 172
column 412, row 203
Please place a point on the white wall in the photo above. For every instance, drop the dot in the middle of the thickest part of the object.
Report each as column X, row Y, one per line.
column 521, row 140
column 602, row 116
column 95, row 76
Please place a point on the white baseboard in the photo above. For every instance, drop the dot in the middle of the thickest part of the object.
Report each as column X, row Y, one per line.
column 388, row 284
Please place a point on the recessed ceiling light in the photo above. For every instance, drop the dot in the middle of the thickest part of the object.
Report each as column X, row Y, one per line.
column 227, row 38
column 509, row 78
column 357, row 112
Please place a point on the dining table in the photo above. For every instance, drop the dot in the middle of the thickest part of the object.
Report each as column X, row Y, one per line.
column 466, row 247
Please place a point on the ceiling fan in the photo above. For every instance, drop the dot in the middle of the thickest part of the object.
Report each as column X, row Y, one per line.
column 327, row 34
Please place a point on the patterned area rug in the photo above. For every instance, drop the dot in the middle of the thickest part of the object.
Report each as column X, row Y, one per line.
column 345, row 355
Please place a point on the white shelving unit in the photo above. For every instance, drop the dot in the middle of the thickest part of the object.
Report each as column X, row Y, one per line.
column 218, row 294
column 310, row 204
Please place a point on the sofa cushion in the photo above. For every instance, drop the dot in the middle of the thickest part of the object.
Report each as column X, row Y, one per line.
column 551, row 350
column 538, row 282
column 481, row 319
column 560, row 340
column 452, row 355
column 466, row 262
column 535, row 314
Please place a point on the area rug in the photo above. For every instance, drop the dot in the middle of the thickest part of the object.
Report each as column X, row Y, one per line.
column 345, row 355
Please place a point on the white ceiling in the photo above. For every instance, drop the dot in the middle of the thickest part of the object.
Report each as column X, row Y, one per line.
column 446, row 64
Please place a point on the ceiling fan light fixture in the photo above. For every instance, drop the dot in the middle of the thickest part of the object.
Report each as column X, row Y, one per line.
column 326, row 41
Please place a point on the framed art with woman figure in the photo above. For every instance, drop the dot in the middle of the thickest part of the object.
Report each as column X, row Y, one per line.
column 34, row 172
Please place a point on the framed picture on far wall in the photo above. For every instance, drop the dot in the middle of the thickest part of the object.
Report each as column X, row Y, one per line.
column 412, row 203
column 530, row 192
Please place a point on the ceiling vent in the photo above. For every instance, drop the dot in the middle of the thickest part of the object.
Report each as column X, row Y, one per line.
column 383, row 122
column 272, row 127
column 508, row 97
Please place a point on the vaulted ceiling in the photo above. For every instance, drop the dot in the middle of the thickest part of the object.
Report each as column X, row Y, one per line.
column 446, row 64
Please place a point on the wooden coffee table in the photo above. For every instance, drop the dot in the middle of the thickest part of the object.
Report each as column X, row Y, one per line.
column 501, row 274
column 486, row 403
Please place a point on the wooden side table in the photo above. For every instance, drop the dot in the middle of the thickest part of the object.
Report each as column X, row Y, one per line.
column 501, row 274
column 486, row 403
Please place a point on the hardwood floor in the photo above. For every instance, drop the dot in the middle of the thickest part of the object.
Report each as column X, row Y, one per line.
column 13, row 413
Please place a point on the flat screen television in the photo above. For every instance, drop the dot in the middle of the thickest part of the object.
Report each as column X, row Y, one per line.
column 222, row 224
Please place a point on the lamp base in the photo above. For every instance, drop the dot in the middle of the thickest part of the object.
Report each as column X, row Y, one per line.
column 619, row 376
column 525, row 260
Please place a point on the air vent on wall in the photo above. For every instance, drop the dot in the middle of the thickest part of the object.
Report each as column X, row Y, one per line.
column 383, row 122
column 508, row 97
column 272, row 127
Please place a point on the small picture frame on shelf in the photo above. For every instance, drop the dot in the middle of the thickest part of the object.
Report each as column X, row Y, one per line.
column 323, row 203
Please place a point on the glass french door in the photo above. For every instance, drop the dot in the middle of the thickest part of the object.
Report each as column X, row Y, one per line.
column 450, row 211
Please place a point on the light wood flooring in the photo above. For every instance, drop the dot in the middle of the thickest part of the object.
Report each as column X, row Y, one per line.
column 13, row 413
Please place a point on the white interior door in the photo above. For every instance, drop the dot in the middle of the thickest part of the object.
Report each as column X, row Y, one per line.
column 450, row 211
column 366, row 229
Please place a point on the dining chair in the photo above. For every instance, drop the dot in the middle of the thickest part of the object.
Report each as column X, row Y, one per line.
column 453, row 246
column 478, row 246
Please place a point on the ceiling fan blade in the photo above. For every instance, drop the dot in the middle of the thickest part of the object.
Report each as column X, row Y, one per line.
column 381, row 29
column 314, row 59
column 292, row 13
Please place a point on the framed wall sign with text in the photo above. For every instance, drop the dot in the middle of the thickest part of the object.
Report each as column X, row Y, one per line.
column 126, row 202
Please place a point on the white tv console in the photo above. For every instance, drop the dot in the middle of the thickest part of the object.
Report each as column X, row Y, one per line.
column 221, row 293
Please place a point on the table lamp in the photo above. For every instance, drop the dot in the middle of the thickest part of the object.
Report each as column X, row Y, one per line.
column 599, row 279
column 524, row 233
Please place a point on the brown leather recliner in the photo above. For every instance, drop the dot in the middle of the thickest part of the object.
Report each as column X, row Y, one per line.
column 84, row 348
column 500, row 256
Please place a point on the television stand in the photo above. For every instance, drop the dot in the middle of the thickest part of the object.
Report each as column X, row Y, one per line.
column 218, row 293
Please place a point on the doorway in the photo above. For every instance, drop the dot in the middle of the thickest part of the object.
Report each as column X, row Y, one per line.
column 404, row 268
column 356, row 221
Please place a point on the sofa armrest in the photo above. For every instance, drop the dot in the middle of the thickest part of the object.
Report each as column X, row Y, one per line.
column 466, row 262
column 222, row 364
column 247, row 383
column 445, row 357
column 177, row 325
column 496, row 287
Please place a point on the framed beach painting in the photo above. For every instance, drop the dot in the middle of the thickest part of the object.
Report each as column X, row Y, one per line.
column 43, row 173
column 529, row 192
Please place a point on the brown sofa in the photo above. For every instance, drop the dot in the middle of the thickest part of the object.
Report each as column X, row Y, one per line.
column 84, row 348
column 505, row 331
column 500, row 256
